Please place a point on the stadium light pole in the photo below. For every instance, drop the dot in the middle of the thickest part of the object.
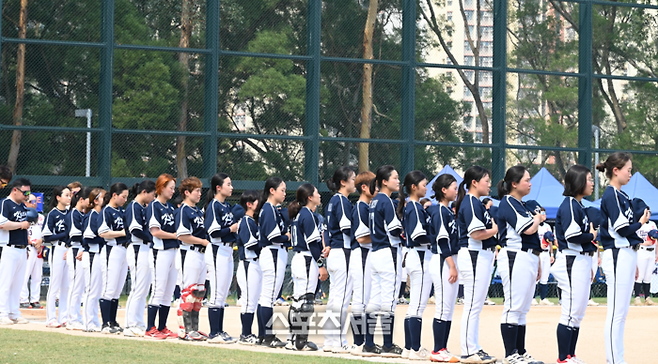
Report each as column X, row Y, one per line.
column 81, row 113
column 597, row 136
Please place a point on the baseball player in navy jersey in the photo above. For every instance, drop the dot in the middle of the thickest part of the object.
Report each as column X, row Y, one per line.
column 338, row 215
column 572, row 269
column 162, row 258
column 34, row 268
column 77, row 273
column 306, row 266
column 518, row 261
column 249, row 274
column 13, row 257
column 194, row 241
column 54, row 232
column 475, row 258
column 443, row 266
column 273, row 257
column 621, row 242
column 359, row 260
column 386, row 262
column 92, row 261
column 221, row 226
column 416, row 224
column 115, row 267
column 137, row 257
column 646, row 263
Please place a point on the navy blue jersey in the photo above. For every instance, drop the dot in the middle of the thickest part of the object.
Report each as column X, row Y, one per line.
column 306, row 234
column 271, row 226
column 515, row 218
column 385, row 227
column 218, row 221
column 473, row 216
column 91, row 241
column 339, row 224
column 54, row 228
column 161, row 216
column 360, row 223
column 12, row 211
column 572, row 227
column 618, row 229
column 443, row 228
column 112, row 220
column 247, row 241
column 137, row 229
column 74, row 225
column 189, row 221
column 416, row 224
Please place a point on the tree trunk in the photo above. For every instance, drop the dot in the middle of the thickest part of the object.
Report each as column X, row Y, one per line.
column 183, row 58
column 20, row 90
column 366, row 106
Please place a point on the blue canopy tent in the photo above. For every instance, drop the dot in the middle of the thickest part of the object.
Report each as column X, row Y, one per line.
column 446, row 169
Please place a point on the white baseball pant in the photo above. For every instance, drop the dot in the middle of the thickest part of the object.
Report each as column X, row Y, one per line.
column 573, row 273
column 34, row 269
column 619, row 268
column 59, row 285
column 219, row 260
column 78, row 277
column 93, row 265
column 137, row 258
column 340, row 292
column 12, row 271
column 273, row 260
column 115, row 270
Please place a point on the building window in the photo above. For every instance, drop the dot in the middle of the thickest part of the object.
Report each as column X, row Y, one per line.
column 449, row 15
column 469, row 60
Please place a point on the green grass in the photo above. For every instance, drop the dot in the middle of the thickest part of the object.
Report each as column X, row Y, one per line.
column 20, row 346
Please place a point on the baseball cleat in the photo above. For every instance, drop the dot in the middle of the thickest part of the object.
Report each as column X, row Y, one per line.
column 170, row 334
column 248, row 340
column 345, row 349
column 421, row 354
column 76, row 325
column 108, row 329
column 481, row 357
column 7, row 321
column 222, row 338
column 133, row 332
column 392, row 352
column 369, row 351
column 20, row 320
column 530, row 360
column 443, row 356
column 53, row 325
column 153, row 333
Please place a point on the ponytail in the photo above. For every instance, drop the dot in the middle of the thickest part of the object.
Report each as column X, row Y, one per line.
column 93, row 195
column 473, row 173
column 82, row 194
column 145, row 185
column 444, row 181
column 341, row 174
column 412, row 178
column 116, row 188
column 301, row 199
column 57, row 192
column 249, row 196
column 216, row 181
column 383, row 174
column 513, row 175
column 615, row 160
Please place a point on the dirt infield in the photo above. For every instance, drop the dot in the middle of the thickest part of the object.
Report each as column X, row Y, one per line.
column 541, row 342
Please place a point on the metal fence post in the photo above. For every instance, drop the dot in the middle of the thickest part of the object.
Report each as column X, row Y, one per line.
column 105, row 92
column 312, row 123
column 407, row 126
column 585, row 84
column 211, row 102
column 498, row 134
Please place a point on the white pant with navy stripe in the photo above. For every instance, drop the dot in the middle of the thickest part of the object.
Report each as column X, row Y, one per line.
column 115, row 271
column 59, row 285
column 34, row 269
column 78, row 277
column 273, row 261
column 219, row 260
column 445, row 292
column 340, row 292
column 573, row 274
column 164, row 272
column 386, row 265
column 12, row 273
column 305, row 274
column 360, row 271
column 619, row 268
column 646, row 263
column 249, row 278
column 417, row 264
column 475, row 267
column 137, row 258
column 194, row 268
column 93, row 265
column 518, row 271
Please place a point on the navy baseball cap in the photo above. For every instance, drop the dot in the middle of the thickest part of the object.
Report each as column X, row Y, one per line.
column 533, row 206
column 653, row 234
column 238, row 212
column 548, row 236
column 638, row 206
column 594, row 216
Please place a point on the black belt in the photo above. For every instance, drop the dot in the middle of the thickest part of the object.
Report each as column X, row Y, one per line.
column 532, row 251
column 199, row 248
column 17, row 246
column 125, row 245
column 591, row 254
column 647, row 248
column 635, row 247
column 493, row 249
